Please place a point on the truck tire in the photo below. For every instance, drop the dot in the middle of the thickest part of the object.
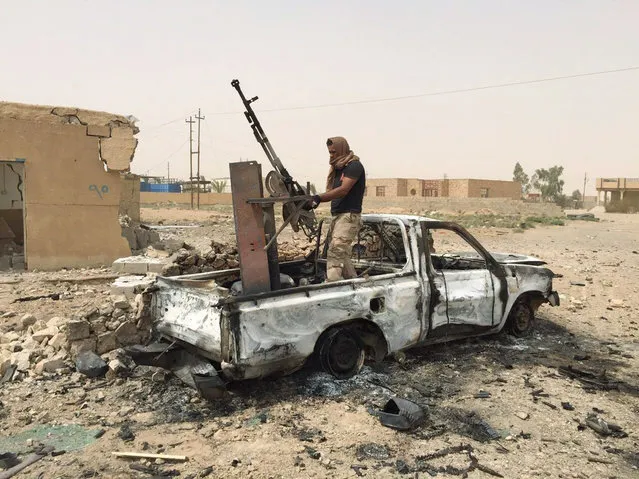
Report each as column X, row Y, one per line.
column 521, row 320
column 341, row 353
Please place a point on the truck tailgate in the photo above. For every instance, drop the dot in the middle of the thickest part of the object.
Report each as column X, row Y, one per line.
column 188, row 310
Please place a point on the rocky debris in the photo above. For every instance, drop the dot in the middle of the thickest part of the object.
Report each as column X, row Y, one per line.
column 91, row 365
column 51, row 365
column 28, row 320
column 222, row 257
column 45, row 346
column 125, row 433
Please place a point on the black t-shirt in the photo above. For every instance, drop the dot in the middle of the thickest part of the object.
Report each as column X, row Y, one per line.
column 352, row 202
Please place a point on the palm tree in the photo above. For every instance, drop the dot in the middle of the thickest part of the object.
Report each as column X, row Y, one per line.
column 218, row 185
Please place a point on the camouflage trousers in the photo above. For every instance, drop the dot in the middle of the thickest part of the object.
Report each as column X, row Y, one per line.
column 343, row 232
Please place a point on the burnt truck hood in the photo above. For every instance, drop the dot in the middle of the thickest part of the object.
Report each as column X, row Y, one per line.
column 505, row 258
column 511, row 258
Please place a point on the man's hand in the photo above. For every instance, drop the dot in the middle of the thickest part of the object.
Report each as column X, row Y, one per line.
column 315, row 201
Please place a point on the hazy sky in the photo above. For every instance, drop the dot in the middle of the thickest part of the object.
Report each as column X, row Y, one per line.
column 161, row 60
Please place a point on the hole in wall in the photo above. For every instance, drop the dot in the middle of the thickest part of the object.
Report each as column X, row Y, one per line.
column 12, row 215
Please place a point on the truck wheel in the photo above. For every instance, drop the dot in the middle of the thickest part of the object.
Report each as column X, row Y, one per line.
column 341, row 353
column 521, row 319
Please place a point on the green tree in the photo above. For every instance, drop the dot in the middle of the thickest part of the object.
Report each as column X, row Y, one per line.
column 549, row 183
column 520, row 175
column 576, row 195
column 218, row 185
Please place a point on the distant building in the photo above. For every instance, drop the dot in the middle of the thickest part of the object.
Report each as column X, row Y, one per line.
column 452, row 188
column 618, row 189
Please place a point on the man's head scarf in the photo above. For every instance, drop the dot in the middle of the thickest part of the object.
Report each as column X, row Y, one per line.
column 343, row 156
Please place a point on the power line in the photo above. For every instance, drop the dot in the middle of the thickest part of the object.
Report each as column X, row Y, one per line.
column 442, row 92
column 153, row 128
column 168, row 157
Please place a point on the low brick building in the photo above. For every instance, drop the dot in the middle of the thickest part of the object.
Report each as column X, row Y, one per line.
column 617, row 190
column 451, row 188
column 65, row 183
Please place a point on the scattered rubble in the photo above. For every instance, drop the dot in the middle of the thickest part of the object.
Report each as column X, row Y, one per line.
column 47, row 347
column 222, row 256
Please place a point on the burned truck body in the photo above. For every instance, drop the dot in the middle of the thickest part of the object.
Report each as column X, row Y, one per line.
column 412, row 289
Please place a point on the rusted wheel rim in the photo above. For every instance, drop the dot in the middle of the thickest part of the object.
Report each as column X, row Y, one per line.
column 343, row 356
column 522, row 317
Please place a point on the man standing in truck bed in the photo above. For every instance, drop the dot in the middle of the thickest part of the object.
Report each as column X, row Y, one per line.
column 345, row 187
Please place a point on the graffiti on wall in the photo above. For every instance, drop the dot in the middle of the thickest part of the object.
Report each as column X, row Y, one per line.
column 100, row 191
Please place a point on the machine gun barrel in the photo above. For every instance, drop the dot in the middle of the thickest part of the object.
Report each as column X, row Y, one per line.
column 258, row 131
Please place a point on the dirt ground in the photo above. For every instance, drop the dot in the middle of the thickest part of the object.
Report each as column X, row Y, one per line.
column 310, row 425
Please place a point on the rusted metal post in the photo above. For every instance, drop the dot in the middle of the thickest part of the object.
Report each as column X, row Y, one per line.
column 246, row 183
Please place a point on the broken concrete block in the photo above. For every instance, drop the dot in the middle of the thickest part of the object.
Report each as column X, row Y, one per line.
column 90, row 314
column 130, row 285
column 99, row 130
column 58, row 341
column 119, row 368
column 99, row 326
column 81, row 345
column 137, row 265
column 91, row 365
column 171, row 270
column 156, row 267
column 130, row 266
column 56, row 321
column 49, row 365
column 28, row 320
column 106, row 342
column 127, row 334
column 38, row 325
column 46, row 333
column 106, row 309
column 9, row 337
column 121, row 302
column 77, row 330
column 113, row 325
column 22, row 360
column 5, row 362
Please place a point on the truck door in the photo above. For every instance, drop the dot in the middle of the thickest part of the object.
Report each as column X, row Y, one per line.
column 467, row 279
column 435, row 308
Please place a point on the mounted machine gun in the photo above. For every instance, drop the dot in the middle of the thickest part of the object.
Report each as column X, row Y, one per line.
column 279, row 183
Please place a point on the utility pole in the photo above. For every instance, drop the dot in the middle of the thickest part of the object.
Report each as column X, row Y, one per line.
column 168, row 172
column 199, row 118
column 583, row 196
column 190, row 121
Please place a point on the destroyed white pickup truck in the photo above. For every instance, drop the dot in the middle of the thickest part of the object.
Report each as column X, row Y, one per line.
column 412, row 289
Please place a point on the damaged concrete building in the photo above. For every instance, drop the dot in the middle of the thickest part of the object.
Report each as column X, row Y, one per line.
column 63, row 175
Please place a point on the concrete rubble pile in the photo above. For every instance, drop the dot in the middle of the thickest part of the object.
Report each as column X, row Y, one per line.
column 51, row 346
column 138, row 235
column 222, row 257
